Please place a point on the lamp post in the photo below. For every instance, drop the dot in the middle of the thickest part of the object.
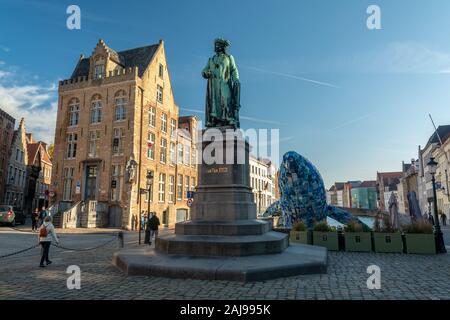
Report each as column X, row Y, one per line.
column 149, row 190
column 440, row 246
column 143, row 191
column 140, row 214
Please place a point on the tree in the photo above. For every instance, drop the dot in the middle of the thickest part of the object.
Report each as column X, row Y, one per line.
column 51, row 150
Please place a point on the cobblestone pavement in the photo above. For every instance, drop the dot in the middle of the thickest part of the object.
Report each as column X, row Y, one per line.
column 402, row 276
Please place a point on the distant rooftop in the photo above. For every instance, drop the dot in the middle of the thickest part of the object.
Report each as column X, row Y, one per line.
column 138, row 57
column 443, row 131
column 368, row 184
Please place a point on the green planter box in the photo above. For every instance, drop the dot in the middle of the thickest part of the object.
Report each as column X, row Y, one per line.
column 358, row 241
column 420, row 243
column 299, row 237
column 326, row 239
column 388, row 242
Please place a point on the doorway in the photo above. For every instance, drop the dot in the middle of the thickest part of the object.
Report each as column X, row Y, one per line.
column 115, row 216
column 91, row 183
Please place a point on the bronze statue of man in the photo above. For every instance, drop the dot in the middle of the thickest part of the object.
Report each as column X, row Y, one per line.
column 223, row 92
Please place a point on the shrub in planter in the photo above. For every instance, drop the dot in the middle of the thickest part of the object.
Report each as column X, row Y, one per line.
column 358, row 237
column 325, row 236
column 299, row 233
column 420, row 238
column 386, row 237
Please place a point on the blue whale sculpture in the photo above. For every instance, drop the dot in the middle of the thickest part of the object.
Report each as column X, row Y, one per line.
column 303, row 195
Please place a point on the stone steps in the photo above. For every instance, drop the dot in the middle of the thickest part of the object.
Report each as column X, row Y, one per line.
column 56, row 220
column 207, row 245
column 223, row 228
column 295, row 260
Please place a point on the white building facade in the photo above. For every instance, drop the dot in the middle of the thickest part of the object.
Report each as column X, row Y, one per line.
column 442, row 157
column 262, row 181
column 425, row 187
column 335, row 195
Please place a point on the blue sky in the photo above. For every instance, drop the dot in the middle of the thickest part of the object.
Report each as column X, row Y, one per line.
column 367, row 111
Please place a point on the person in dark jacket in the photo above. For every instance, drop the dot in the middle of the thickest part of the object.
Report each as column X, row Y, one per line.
column 444, row 219
column 34, row 219
column 147, row 232
column 431, row 219
column 133, row 222
column 153, row 224
column 136, row 222
column 42, row 215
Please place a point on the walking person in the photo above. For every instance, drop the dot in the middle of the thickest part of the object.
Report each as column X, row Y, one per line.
column 431, row 219
column 147, row 232
column 444, row 219
column 42, row 215
column 133, row 222
column 34, row 219
column 136, row 222
column 142, row 220
column 153, row 224
column 46, row 235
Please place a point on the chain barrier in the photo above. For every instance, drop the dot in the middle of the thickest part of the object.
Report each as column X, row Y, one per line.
column 84, row 249
column 17, row 252
column 63, row 233
column 118, row 236
column 14, row 228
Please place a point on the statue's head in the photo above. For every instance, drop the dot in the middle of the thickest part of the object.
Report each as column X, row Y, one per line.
column 221, row 44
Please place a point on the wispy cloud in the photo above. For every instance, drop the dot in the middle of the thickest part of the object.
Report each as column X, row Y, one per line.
column 4, row 74
column 292, row 76
column 253, row 119
column 403, row 57
column 259, row 120
column 271, row 143
column 4, row 48
column 192, row 110
column 350, row 122
column 35, row 102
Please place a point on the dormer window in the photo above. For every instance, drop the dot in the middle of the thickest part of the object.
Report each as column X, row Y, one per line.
column 99, row 71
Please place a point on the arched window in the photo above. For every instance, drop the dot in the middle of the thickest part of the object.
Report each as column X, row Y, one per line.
column 96, row 109
column 74, row 112
column 120, row 105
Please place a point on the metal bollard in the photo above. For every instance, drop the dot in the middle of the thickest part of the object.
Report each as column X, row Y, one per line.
column 120, row 238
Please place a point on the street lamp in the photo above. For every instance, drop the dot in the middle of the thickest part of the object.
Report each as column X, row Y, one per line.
column 440, row 246
column 148, row 191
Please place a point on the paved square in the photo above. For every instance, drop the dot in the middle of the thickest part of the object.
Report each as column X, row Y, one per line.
column 402, row 276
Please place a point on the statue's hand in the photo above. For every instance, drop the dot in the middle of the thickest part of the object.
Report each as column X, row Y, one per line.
column 206, row 74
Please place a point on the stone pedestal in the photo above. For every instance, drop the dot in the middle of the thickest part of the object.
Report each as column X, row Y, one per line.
column 223, row 190
column 223, row 215
column 223, row 240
